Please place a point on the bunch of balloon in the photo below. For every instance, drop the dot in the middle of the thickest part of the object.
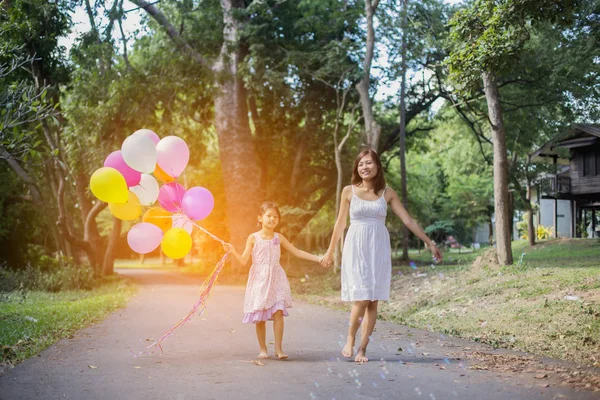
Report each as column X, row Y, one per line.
column 128, row 183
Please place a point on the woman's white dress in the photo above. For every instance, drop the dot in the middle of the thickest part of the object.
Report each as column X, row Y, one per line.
column 367, row 258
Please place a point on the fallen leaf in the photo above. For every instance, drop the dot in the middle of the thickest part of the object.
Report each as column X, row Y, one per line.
column 92, row 366
column 137, row 367
column 541, row 376
column 256, row 362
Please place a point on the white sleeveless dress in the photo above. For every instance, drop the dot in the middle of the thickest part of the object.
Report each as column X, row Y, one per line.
column 367, row 258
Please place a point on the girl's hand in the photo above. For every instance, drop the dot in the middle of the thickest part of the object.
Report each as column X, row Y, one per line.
column 435, row 253
column 228, row 247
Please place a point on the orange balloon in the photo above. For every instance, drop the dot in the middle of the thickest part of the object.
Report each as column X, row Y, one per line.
column 162, row 175
column 159, row 217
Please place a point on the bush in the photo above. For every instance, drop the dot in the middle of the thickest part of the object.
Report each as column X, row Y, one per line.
column 47, row 273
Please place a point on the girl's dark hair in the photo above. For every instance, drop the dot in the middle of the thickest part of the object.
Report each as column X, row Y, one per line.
column 379, row 180
column 266, row 205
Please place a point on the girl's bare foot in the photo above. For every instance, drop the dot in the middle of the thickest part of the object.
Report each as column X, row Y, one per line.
column 361, row 357
column 281, row 355
column 348, row 350
column 263, row 354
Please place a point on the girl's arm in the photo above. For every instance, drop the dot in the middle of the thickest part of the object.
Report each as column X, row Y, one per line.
column 340, row 224
column 400, row 211
column 243, row 259
column 297, row 252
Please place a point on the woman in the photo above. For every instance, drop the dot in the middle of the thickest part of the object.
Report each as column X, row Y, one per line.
column 366, row 257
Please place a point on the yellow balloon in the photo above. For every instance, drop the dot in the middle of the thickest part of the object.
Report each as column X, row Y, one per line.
column 108, row 185
column 129, row 211
column 176, row 243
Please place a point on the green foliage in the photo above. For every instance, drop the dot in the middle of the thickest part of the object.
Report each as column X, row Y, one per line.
column 488, row 36
column 18, row 225
column 48, row 274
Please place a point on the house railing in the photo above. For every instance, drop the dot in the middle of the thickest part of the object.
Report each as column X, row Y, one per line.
column 556, row 185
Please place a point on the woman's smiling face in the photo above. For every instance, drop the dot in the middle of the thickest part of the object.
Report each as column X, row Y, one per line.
column 367, row 168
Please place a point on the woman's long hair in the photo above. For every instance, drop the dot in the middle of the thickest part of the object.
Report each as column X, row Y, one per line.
column 379, row 180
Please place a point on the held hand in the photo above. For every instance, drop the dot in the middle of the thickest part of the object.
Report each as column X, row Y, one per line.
column 327, row 260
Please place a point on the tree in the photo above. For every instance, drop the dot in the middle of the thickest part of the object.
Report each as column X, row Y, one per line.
column 486, row 37
column 237, row 151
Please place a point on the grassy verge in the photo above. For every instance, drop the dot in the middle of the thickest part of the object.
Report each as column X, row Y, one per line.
column 32, row 321
column 548, row 303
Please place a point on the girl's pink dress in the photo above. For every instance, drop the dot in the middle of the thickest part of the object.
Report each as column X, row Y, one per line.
column 268, row 289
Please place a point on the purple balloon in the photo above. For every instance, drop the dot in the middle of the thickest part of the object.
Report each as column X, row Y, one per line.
column 115, row 160
column 144, row 237
column 170, row 196
column 198, row 203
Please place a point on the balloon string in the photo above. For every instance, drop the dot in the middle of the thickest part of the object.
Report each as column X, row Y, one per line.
column 200, row 305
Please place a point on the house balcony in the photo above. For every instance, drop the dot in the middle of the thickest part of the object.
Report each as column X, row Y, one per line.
column 556, row 186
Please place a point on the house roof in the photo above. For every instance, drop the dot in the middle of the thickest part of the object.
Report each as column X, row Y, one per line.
column 579, row 135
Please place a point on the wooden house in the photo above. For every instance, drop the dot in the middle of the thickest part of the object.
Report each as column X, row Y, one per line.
column 576, row 178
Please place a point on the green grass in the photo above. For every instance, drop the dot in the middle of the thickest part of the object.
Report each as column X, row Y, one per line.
column 32, row 321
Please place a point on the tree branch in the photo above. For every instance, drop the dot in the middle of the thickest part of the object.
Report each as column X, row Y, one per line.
column 171, row 31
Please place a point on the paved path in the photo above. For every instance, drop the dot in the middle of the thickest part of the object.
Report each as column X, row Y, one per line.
column 212, row 356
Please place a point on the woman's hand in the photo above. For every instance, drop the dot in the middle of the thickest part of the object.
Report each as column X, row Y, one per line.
column 435, row 252
column 327, row 260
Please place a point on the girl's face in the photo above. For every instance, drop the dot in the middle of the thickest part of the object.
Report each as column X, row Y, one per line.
column 367, row 168
column 269, row 219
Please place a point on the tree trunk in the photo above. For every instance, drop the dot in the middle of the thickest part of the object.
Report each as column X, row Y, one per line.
column 108, row 264
column 404, row 191
column 372, row 128
column 501, row 205
column 239, row 161
column 530, row 228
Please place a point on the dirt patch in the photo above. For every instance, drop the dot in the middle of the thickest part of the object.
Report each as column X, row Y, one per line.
column 547, row 373
column 489, row 259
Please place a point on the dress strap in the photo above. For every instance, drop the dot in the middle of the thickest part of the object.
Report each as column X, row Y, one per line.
column 352, row 186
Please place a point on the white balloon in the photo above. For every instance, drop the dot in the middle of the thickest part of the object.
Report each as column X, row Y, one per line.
column 147, row 190
column 139, row 152
column 181, row 221
column 173, row 155
column 148, row 133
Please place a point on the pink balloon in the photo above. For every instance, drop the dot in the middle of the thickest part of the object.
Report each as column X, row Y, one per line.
column 144, row 237
column 148, row 133
column 172, row 155
column 170, row 196
column 183, row 222
column 198, row 203
column 115, row 160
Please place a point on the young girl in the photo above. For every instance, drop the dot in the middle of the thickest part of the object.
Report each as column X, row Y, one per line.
column 366, row 257
column 268, row 294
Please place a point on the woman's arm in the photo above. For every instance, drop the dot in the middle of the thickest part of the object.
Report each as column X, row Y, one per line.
column 340, row 224
column 243, row 259
column 297, row 252
column 400, row 211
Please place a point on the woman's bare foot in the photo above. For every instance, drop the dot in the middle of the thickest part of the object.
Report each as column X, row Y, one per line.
column 348, row 350
column 361, row 357
column 281, row 355
column 263, row 354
